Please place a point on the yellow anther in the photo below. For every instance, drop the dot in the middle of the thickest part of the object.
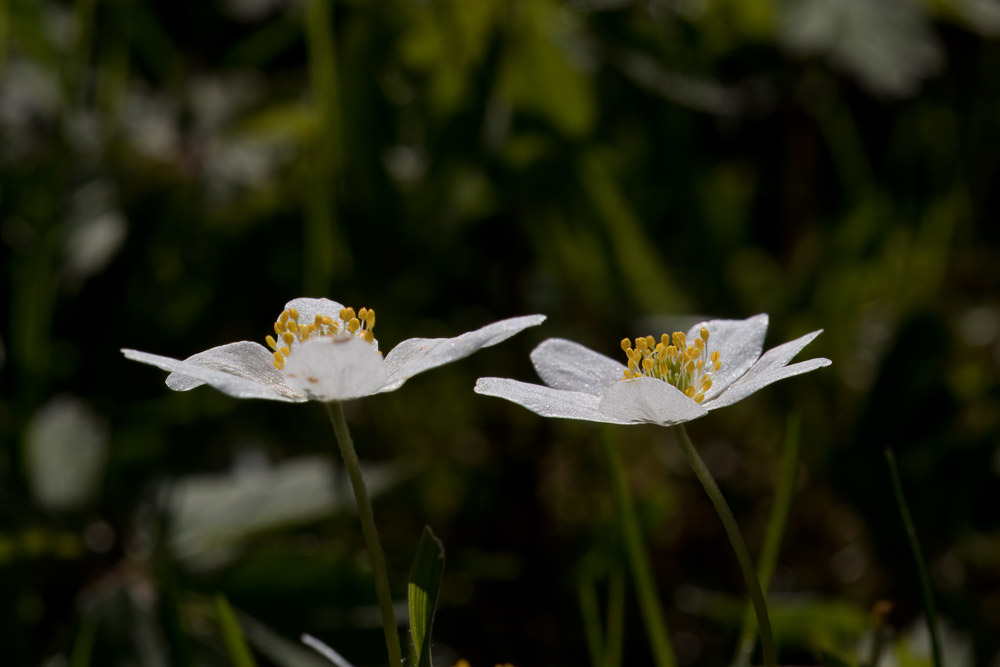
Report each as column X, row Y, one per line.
column 293, row 314
column 680, row 339
column 271, row 343
column 700, row 364
column 288, row 337
column 318, row 321
column 718, row 365
column 284, row 316
column 626, row 345
column 278, row 328
column 664, row 340
column 347, row 314
column 369, row 336
column 715, row 357
column 690, row 367
column 632, row 365
column 699, row 343
column 689, row 392
column 704, row 334
column 353, row 325
column 698, row 398
column 285, row 351
column 279, row 360
column 706, row 383
column 628, row 374
column 671, row 351
column 293, row 327
column 650, row 342
column 640, row 344
column 363, row 314
column 647, row 364
column 370, row 319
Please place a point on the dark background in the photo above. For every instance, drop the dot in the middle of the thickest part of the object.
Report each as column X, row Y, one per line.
column 173, row 173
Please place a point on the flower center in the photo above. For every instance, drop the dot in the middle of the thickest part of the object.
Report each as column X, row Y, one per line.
column 687, row 367
column 292, row 333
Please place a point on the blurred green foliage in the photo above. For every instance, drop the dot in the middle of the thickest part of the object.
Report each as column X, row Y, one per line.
column 171, row 173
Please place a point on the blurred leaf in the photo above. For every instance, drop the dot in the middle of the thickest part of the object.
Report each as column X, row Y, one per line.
column 236, row 645
column 888, row 45
column 541, row 77
column 425, row 581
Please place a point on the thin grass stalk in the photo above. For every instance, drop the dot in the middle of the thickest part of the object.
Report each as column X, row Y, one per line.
column 926, row 593
column 775, row 533
column 642, row 573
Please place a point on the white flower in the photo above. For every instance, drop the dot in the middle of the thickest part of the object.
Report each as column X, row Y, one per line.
column 666, row 382
column 323, row 352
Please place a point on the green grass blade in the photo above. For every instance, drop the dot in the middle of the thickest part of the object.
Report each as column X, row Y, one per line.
column 616, row 618
column 232, row 634
column 926, row 593
column 425, row 581
column 642, row 572
column 775, row 532
column 587, row 597
column 83, row 646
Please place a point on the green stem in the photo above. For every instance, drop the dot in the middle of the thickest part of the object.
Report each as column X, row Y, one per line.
column 369, row 530
column 927, row 595
column 775, row 531
column 735, row 539
column 642, row 572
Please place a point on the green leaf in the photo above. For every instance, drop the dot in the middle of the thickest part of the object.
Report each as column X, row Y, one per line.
column 425, row 581
column 232, row 634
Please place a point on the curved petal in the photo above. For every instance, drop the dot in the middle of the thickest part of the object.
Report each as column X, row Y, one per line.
column 769, row 369
column 417, row 355
column 546, row 401
column 649, row 400
column 308, row 308
column 563, row 364
column 739, row 343
column 233, row 369
column 335, row 369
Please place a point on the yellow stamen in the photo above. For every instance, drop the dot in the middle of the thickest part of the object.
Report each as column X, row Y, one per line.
column 292, row 333
column 687, row 367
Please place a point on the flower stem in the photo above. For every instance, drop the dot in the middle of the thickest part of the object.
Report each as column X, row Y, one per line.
column 642, row 572
column 369, row 530
column 735, row 539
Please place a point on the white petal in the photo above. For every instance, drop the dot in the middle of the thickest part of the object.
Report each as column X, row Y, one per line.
column 769, row 369
column 563, row 364
column 233, row 369
column 417, row 355
column 739, row 343
column 650, row 400
column 335, row 369
column 546, row 401
column 309, row 308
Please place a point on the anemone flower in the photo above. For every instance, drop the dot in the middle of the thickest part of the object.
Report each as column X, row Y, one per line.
column 322, row 351
column 669, row 381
